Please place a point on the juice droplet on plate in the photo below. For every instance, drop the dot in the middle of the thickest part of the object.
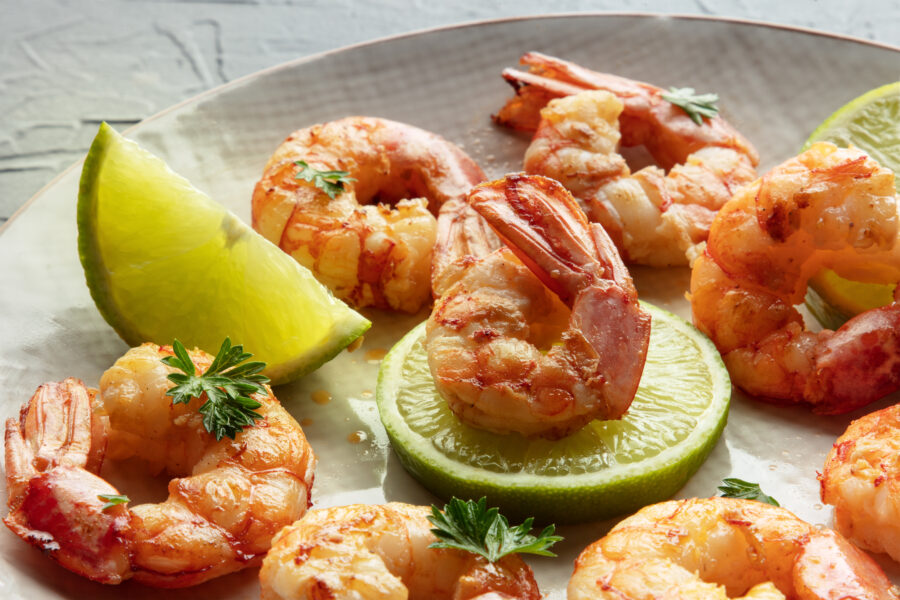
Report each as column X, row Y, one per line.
column 357, row 437
column 321, row 397
column 376, row 354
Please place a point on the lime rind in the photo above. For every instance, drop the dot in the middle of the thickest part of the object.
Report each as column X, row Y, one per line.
column 870, row 123
column 857, row 122
column 833, row 300
column 88, row 250
column 189, row 290
column 608, row 483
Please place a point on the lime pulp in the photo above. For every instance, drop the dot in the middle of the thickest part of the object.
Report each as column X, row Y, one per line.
column 605, row 469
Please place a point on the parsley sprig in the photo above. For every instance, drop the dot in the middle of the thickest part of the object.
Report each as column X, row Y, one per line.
column 472, row 527
column 738, row 488
column 695, row 105
column 330, row 182
column 112, row 500
column 227, row 384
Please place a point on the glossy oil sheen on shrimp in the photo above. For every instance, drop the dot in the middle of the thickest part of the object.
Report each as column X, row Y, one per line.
column 491, row 338
column 228, row 499
column 367, row 254
column 581, row 117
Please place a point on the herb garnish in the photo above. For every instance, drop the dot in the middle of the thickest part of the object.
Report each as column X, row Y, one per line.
column 228, row 407
column 738, row 488
column 330, row 182
column 470, row 526
column 695, row 105
column 113, row 499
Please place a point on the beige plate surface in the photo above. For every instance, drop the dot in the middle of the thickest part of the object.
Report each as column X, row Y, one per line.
column 775, row 85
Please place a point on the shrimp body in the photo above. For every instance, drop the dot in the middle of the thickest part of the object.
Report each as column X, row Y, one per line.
column 861, row 479
column 827, row 207
column 582, row 117
column 724, row 548
column 545, row 335
column 381, row 551
column 367, row 254
column 228, row 501
column 52, row 453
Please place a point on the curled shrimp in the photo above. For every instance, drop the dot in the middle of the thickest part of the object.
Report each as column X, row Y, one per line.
column 544, row 335
column 381, row 551
column 828, row 207
column 724, row 548
column 367, row 254
column 861, row 479
column 581, row 116
column 220, row 516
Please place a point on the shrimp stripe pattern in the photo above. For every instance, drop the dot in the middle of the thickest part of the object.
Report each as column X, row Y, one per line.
column 382, row 551
column 581, row 117
column 367, row 254
column 721, row 548
column 228, row 501
column 861, row 479
column 542, row 335
column 549, row 77
column 463, row 237
column 826, row 208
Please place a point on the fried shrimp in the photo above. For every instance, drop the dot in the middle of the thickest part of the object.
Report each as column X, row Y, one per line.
column 861, row 479
column 544, row 335
column 828, row 207
column 381, row 551
column 724, row 548
column 229, row 500
column 367, row 254
column 581, row 117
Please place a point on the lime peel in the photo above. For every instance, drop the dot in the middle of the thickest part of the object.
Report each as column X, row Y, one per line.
column 162, row 260
column 518, row 474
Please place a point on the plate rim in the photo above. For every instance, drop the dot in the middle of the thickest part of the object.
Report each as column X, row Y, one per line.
column 449, row 27
column 640, row 19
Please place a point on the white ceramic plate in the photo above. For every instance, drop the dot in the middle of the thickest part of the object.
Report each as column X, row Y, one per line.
column 775, row 86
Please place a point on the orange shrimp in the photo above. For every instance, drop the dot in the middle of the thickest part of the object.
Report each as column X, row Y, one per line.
column 580, row 116
column 719, row 548
column 826, row 208
column 491, row 338
column 381, row 551
column 220, row 516
column 861, row 479
column 367, row 254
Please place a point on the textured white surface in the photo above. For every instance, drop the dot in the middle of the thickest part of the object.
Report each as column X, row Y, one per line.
column 65, row 65
column 775, row 85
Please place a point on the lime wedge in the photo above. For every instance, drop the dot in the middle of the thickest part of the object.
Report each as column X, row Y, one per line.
column 162, row 261
column 606, row 469
column 872, row 123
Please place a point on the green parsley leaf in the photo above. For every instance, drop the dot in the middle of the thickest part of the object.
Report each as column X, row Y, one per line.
column 695, row 105
column 738, row 488
column 472, row 527
column 330, row 182
column 226, row 383
column 113, row 499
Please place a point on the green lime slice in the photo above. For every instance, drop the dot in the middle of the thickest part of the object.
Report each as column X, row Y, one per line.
column 869, row 122
column 606, row 469
column 162, row 261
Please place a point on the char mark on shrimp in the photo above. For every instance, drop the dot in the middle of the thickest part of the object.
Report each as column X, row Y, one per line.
column 657, row 216
column 568, row 339
column 826, row 208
